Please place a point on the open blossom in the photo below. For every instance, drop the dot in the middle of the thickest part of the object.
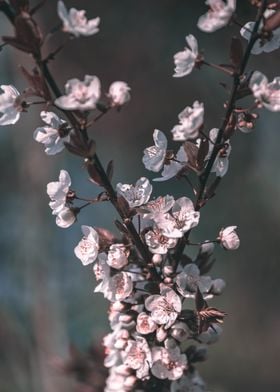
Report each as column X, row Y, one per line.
column 157, row 207
column 168, row 362
column 262, row 45
column 120, row 379
column 145, row 324
column 9, row 110
column 50, row 135
column 87, row 248
column 186, row 59
column 191, row 119
column 116, row 288
column 80, row 95
column 173, row 167
column 183, row 217
column 154, row 156
column 189, row 280
column 100, row 268
column 119, row 93
column 219, row 15
column 229, row 238
column 75, row 21
column 268, row 94
column 158, row 242
column 117, row 256
column 138, row 357
column 165, row 307
column 220, row 166
column 138, row 194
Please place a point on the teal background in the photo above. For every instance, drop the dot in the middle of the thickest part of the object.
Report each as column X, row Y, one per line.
column 46, row 295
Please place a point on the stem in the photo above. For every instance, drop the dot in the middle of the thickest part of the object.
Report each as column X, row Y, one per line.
column 142, row 248
column 218, row 67
column 219, row 141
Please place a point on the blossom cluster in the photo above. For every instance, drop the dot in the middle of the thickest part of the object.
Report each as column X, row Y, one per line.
column 158, row 294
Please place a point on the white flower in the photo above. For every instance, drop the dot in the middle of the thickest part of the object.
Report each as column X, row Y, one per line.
column 218, row 286
column 189, row 280
column 260, row 45
column 145, row 324
column 138, row 356
column 165, row 307
column 185, row 60
column 65, row 217
column 168, row 363
column 191, row 119
column 100, row 267
column 50, row 135
column 229, row 238
column 58, row 190
column 159, row 243
column 136, row 195
column 80, row 95
column 183, row 218
column 154, row 156
column 119, row 93
column 220, row 166
column 218, row 16
column 9, row 110
column 87, row 248
column 117, row 287
column 117, row 256
column 267, row 93
column 172, row 168
column 75, row 22
column 157, row 207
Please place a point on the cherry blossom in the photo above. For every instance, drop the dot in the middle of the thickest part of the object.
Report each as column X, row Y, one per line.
column 262, row 45
column 219, row 15
column 119, row 93
column 165, row 307
column 9, row 109
column 116, row 288
column 87, row 248
column 154, row 156
column 136, row 195
column 52, row 134
column 157, row 207
column 158, row 242
column 189, row 280
column 191, row 119
column 183, row 218
column 100, row 267
column 120, row 379
column 117, row 256
column 58, row 191
column 229, row 238
column 168, row 362
column 268, row 94
column 75, row 21
column 80, row 95
column 174, row 166
column 138, row 356
column 186, row 59
column 145, row 324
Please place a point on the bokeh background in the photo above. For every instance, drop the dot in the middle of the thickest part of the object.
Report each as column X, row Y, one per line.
column 46, row 295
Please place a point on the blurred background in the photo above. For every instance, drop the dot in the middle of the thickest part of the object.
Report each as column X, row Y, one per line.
column 46, row 295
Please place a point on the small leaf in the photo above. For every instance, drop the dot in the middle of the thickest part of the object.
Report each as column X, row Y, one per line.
column 202, row 153
column 191, row 151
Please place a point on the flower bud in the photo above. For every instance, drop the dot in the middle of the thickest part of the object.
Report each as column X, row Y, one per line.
column 119, row 93
column 229, row 238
